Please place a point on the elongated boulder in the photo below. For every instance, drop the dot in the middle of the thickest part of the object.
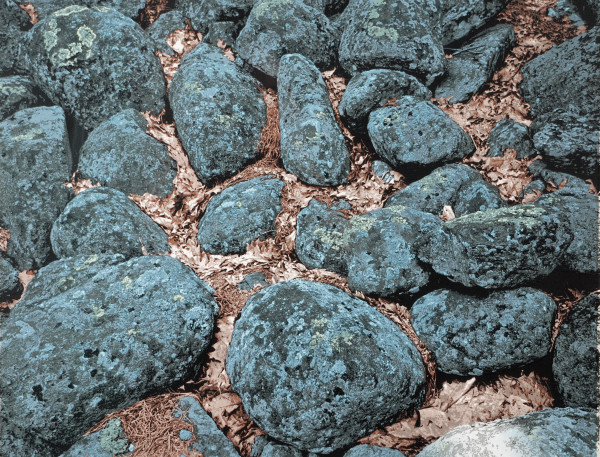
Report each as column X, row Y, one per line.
column 239, row 215
column 499, row 248
column 18, row 92
column 103, row 220
column 472, row 335
column 318, row 368
column 219, row 113
column 312, row 144
column 35, row 162
column 100, row 345
column 95, row 62
column 462, row 17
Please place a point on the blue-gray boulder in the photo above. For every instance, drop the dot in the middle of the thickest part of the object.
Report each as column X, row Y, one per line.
column 367, row 450
column 106, row 442
column 371, row 89
column 318, row 368
column 13, row 23
column 568, row 432
column 95, row 62
column 219, row 113
column 509, row 134
column 204, row 13
column 225, row 31
column 239, row 215
column 251, row 280
column 10, row 286
column 499, row 248
column 18, row 92
column 129, row 8
column 572, row 184
column 455, row 185
column 166, row 24
column 460, row 18
column 575, row 364
column 35, row 162
column 120, row 154
column 133, row 329
column 416, row 133
column 472, row 335
column 102, row 220
column 312, row 144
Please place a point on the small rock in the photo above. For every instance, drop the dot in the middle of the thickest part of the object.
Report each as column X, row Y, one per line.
column 417, row 133
column 185, row 435
column 239, row 215
column 312, row 144
column 18, row 92
column 508, row 134
column 472, row 335
column 383, row 171
column 460, row 18
column 252, row 280
column 120, row 154
column 103, row 220
column 10, row 286
column 106, row 442
column 367, row 450
column 566, row 181
column 166, row 24
column 280, row 450
column 225, row 32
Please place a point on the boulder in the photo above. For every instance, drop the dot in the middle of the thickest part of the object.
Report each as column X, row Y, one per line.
column 509, row 134
column 10, row 286
column 383, row 171
column 278, row 27
column 416, row 133
column 225, row 31
column 575, row 364
column 474, row 63
column 95, row 63
column 371, row 89
column 133, row 329
column 367, row 450
column 204, row 13
column 460, row 18
column 18, row 92
column 317, row 368
column 566, row 181
column 219, row 113
column 129, row 8
column 252, row 280
column 455, row 185
column 239, row 215
column 472, row 335
column 568, row 432
column 105, row 442
column 120, row 154
column 13, row 24
column 499, row 248
column 312, row 144
column 35, row 162
column 103, row 220
column 166, row 24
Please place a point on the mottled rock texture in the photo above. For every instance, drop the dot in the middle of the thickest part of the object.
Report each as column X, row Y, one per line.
column 106, row 442
column 95, row 62
column 472, row 335
column 224, row 31
column 10, row 286
column 13, row 24
column 129, row 8
column 103, row 220
column 312, row 144
column 166, row 24
column 460, row 18
column 367, row 450
column 239, row 215
column 318, row 368
column 17, row 93
column 509, row 134
column 204, row 13
column 280, row 450
column 219, row 113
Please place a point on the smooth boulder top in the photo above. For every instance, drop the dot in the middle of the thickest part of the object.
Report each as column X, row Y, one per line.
column 95, row 62
column 102, row 220
column 472, row 335
column 318, row 368
column 18, row 92
column 219, row 113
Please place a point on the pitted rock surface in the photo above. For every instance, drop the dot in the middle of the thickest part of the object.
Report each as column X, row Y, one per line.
column 146, row 323
column 103, row 220
column 18, row 92
column 460, row 18
column 312, row 144
column 472, row 335
column 95, row 63
column 367, row 450
column 499, row 248
column 13, row 24
column 239, row 215
column 508, row 134
column 35, row 162
column 10, row 286
column 204, row 13
column 219, row 113
column 224, row 31
column 120, row 154
column 306, row 356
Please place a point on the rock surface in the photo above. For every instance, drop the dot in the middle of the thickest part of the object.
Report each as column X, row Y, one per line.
column 508, row 134
column 18, row 92
column 575, row 364
column 499, row 248
column 462, row 17
column 13, row 23
column 35, row 162
column 312, row 144
column 239, row 215
column 280, row 450
column 129, row 8
column 146, row 323
column 568, row 432
column 307, row 356
column 120, row 154
column 166, row 24
column 106, row 442
column 252, row 280
column 204, row 13
column 95, row 63
column 366, row 450
column 472, row 335
column 103, row 220
column 10, row 286
column 219, row 113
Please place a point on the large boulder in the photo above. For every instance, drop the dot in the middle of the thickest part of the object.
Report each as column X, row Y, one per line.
column 318, row 368
column 472, row 335
column 312, row 144
column 509, row 134
column 462, row 17
column 10, row 286
column 18, row 92
column 129, row 8
column 103, row 220
column 575, row 364
column 35, row 162
column 95, row 62
column 239, row 215
column 416, row 133
column 499, row 248
column 219, row 113
column 568, row 432
column 100, row 344
column 120, row 154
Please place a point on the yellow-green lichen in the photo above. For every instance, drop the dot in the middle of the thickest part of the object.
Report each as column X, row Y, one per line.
column 344, row 338
column 319, row 322
column 239, row 204
column 378, row 2
column 127, row 282
column 87, row 262
column 377, row 31
column 110, row 438
column 11, row 89
column 321, row 115
column 228, row 120
column 373, row 14
column 330, row 238
column 102, row 9
column 132, row 332
column 179, row 298
column 70, row 10
column 28, row 135
column 262, row 8
column 86, row 36
column 98, row 311
column 360, row 224
column 51, row 35
column 316, row 339
column 194, row 86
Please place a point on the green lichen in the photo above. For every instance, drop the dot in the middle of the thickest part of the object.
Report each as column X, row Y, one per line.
column 194, row 86
column 344, row 338
column 179, row 298
column 70, row 10
column 321, row 115
column 102, row 9
column 319, row 322
column 86, row 36
column 360, row 224
column 378, row 2
column 373, row 14
column 316, row 339
column 29, row 135
column 110, row 439
column 525, row 216
column 132, row 332
column 127, row 282
column 11, row 89
column 228, row 120
column 330, row 238
column 267, row 5
column 51, row 35
column 377, row 31
column 87, row 262
column 98, row 311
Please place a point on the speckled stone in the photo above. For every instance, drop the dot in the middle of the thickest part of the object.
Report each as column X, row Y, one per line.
column 203, row 14
column 280, row 450
column 129, row 8
column 13, row 24
column 462, row 17
column 106, row 442
column 10, row 286
column 17, row 93
column 367, row 450
column 508, row 134
column 166, row 24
